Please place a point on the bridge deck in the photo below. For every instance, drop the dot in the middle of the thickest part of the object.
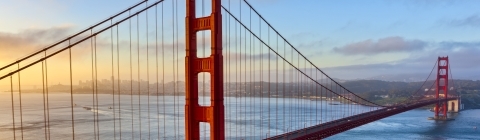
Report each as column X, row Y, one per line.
column 334, row 127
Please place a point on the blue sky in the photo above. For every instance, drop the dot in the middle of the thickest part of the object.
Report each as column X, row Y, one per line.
column 372, row 37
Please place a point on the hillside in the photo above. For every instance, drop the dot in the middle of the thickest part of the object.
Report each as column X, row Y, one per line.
column 385, row 92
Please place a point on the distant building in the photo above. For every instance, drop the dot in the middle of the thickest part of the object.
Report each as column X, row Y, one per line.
column 59, row 87
column 347, row 95
column 382, row 96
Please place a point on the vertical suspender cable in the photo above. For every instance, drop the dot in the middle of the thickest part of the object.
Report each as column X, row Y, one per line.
column 233, row 49
column 308, row 92
column 173, row 62
column 131, row 75
column 335, row 115
column 338, row 108
column 321, row 99
column 292, row 93
column 316, row 99
column 20, row 97
column 113, row 85
column 254, row 78
column 148, row 73
column 344, row 99
column 225, row 73
column 238, row 79
column 270, row 88
column 93, row 91
column 163, row 77
column 269, row 83
column 118, row 85
column 156, row 69
column 138, row 78
column 329, row 92
column 256, row 90
column 229, row 65
column 71, row 91
column 228, row 79
column 300, row 86
column 295, row 95
column 46, row 89
column 276, row 88
column 174, row 72
column 299, row 112
column 236, row 82
column 240, row 70
column 177, row 74
column 252, row 82
column 302, row 91
column 331, row 100
column 245, row 77
column 225, row 41
column 175, row 66
column 238, row 85
column 96, row 89
column 44, row 105
column 284, row 82
column 249, row 81
column 13, row 107
column 261, row 81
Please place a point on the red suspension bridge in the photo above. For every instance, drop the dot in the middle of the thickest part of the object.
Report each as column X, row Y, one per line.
column 251, row 84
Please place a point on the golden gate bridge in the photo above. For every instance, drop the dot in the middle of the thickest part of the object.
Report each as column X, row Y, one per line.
column 237, row 89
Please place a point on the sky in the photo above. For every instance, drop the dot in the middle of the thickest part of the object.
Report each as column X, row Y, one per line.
column 349, row 39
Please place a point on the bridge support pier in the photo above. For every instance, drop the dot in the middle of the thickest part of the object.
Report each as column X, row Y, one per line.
column 454, row 106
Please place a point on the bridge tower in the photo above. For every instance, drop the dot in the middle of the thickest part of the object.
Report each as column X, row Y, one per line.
column 194, row 113
column 442, row 87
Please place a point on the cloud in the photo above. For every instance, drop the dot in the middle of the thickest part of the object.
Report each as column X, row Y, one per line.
column 463, row 55
column 313, row 44
column 302, row 35
column 455, row 44
column 463, row 58
column 384, row 45
column 29, row 40
column 473, row 21
column 243, row 56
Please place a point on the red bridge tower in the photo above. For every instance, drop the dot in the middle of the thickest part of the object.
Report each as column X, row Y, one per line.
column 442, row 87
column 194, row 113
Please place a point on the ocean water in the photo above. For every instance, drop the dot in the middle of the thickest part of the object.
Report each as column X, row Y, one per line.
column 414, row 125
column 145, row 117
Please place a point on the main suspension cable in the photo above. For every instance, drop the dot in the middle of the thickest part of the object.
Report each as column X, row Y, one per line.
column 263, row 43
column 261, row 17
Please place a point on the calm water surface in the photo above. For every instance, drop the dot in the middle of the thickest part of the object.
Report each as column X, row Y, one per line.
column 246, row 118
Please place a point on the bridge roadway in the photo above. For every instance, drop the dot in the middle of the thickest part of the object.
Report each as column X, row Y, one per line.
column 337, row 126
